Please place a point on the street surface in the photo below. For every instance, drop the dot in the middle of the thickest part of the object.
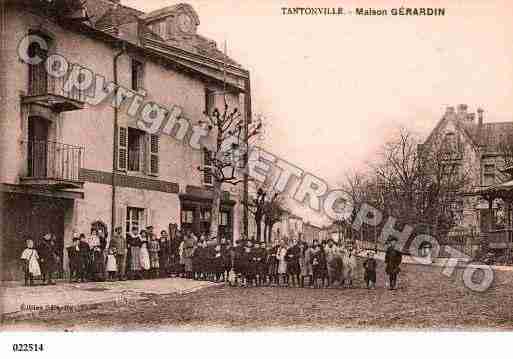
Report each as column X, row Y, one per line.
column 425, row 300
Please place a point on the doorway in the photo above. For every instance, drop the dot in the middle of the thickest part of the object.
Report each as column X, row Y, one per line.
column 38, row 129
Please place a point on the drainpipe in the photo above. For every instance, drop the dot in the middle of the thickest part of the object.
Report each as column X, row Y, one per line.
column 115, row 144
column 247, row 105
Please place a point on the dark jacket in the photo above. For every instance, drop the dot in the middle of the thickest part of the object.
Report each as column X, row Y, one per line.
column 47, row 252
column 393, row 259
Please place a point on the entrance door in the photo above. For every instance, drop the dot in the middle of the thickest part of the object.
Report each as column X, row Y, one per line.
column 38, row 147
column 31, row 217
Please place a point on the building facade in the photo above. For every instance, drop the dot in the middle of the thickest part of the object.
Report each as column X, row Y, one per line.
column 474, row 144
column 69, row 161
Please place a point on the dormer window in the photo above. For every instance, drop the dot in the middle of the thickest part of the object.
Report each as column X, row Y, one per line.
column 173, row 22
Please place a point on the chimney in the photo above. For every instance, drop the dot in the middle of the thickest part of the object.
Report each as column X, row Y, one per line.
column 480, row 116
column 462, row 111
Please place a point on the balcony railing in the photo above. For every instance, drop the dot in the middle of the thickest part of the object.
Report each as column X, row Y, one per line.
column 499, row 238
column 53, row 163
column 49, row 91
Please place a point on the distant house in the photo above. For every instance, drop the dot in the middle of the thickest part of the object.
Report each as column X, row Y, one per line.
column 474, row 144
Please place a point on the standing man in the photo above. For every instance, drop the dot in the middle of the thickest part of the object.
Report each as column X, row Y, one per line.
column 119, row 246
column 47, row 257
column 393, row 259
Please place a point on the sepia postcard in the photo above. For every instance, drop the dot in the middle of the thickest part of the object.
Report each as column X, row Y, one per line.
column 311, row 166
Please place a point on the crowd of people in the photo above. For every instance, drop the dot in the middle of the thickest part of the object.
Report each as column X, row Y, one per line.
column 143, row 255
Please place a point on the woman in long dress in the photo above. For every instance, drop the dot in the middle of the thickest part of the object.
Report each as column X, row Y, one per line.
column 134, row 243
column 188, row 253
column 97, row 271
column 144, row 255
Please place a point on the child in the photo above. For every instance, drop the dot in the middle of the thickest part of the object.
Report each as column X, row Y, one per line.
column 112, row 266
column 281, row 255
column 261, row 255
column 31, row 265
column 370, row 271
column 248, row 265
column 319, row 268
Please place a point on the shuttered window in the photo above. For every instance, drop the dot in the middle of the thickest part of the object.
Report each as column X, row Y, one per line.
column 122, row 148
column 207, row 168
column 154, row 154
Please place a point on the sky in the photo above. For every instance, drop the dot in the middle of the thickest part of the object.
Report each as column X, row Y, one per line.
column 334, row 88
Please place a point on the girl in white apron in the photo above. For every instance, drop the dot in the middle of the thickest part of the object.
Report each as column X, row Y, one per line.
column 31, row 265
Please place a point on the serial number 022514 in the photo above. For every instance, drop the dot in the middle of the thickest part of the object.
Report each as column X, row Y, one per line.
column 27, row 347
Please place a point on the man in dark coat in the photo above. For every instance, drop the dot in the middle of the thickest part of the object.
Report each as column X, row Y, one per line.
column 47, row 257
column 393, row 259
column 74, row 258
column 293, row 268
column 261, row 258
column 84, row 257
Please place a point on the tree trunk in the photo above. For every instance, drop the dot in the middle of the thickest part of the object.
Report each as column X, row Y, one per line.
column 258, row 229
column 216, row 205
column 270, row 234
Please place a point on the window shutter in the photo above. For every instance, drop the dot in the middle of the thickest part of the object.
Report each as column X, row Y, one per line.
column 207, row 167
column 121, row 218
column 122, row 148
column 154, row 154
column 149, row 217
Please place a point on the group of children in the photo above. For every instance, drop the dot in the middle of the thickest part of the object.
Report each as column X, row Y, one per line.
column 299, row 264
column 245, row 263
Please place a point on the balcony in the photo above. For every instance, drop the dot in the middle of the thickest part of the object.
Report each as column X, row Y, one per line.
column 53, row 165
column 49, row 92
column 498, row 238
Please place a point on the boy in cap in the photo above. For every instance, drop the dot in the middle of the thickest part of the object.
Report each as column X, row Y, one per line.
column 370, row 271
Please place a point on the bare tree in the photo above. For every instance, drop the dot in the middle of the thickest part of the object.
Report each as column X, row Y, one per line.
column 505, row 149
column 274, row 212
column 229, row 154
column 257, row 206
column 422, row 183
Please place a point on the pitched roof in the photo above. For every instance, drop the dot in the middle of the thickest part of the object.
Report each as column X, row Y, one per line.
column 488, row 135
column 106, row 14
column 106, row 11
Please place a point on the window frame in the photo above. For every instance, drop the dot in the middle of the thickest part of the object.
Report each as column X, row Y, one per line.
column 136, row 82
column 141, row 160
column 129, row 220
column 207, row 168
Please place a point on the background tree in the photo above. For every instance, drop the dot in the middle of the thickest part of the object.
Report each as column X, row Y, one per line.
column 419, row 184
column 228, row 155
column 274, row 212
column 257, row 206
column 422, row 183
column 505, row 148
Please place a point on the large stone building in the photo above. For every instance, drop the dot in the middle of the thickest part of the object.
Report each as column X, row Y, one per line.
column 475, row 144
column 65, row 164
